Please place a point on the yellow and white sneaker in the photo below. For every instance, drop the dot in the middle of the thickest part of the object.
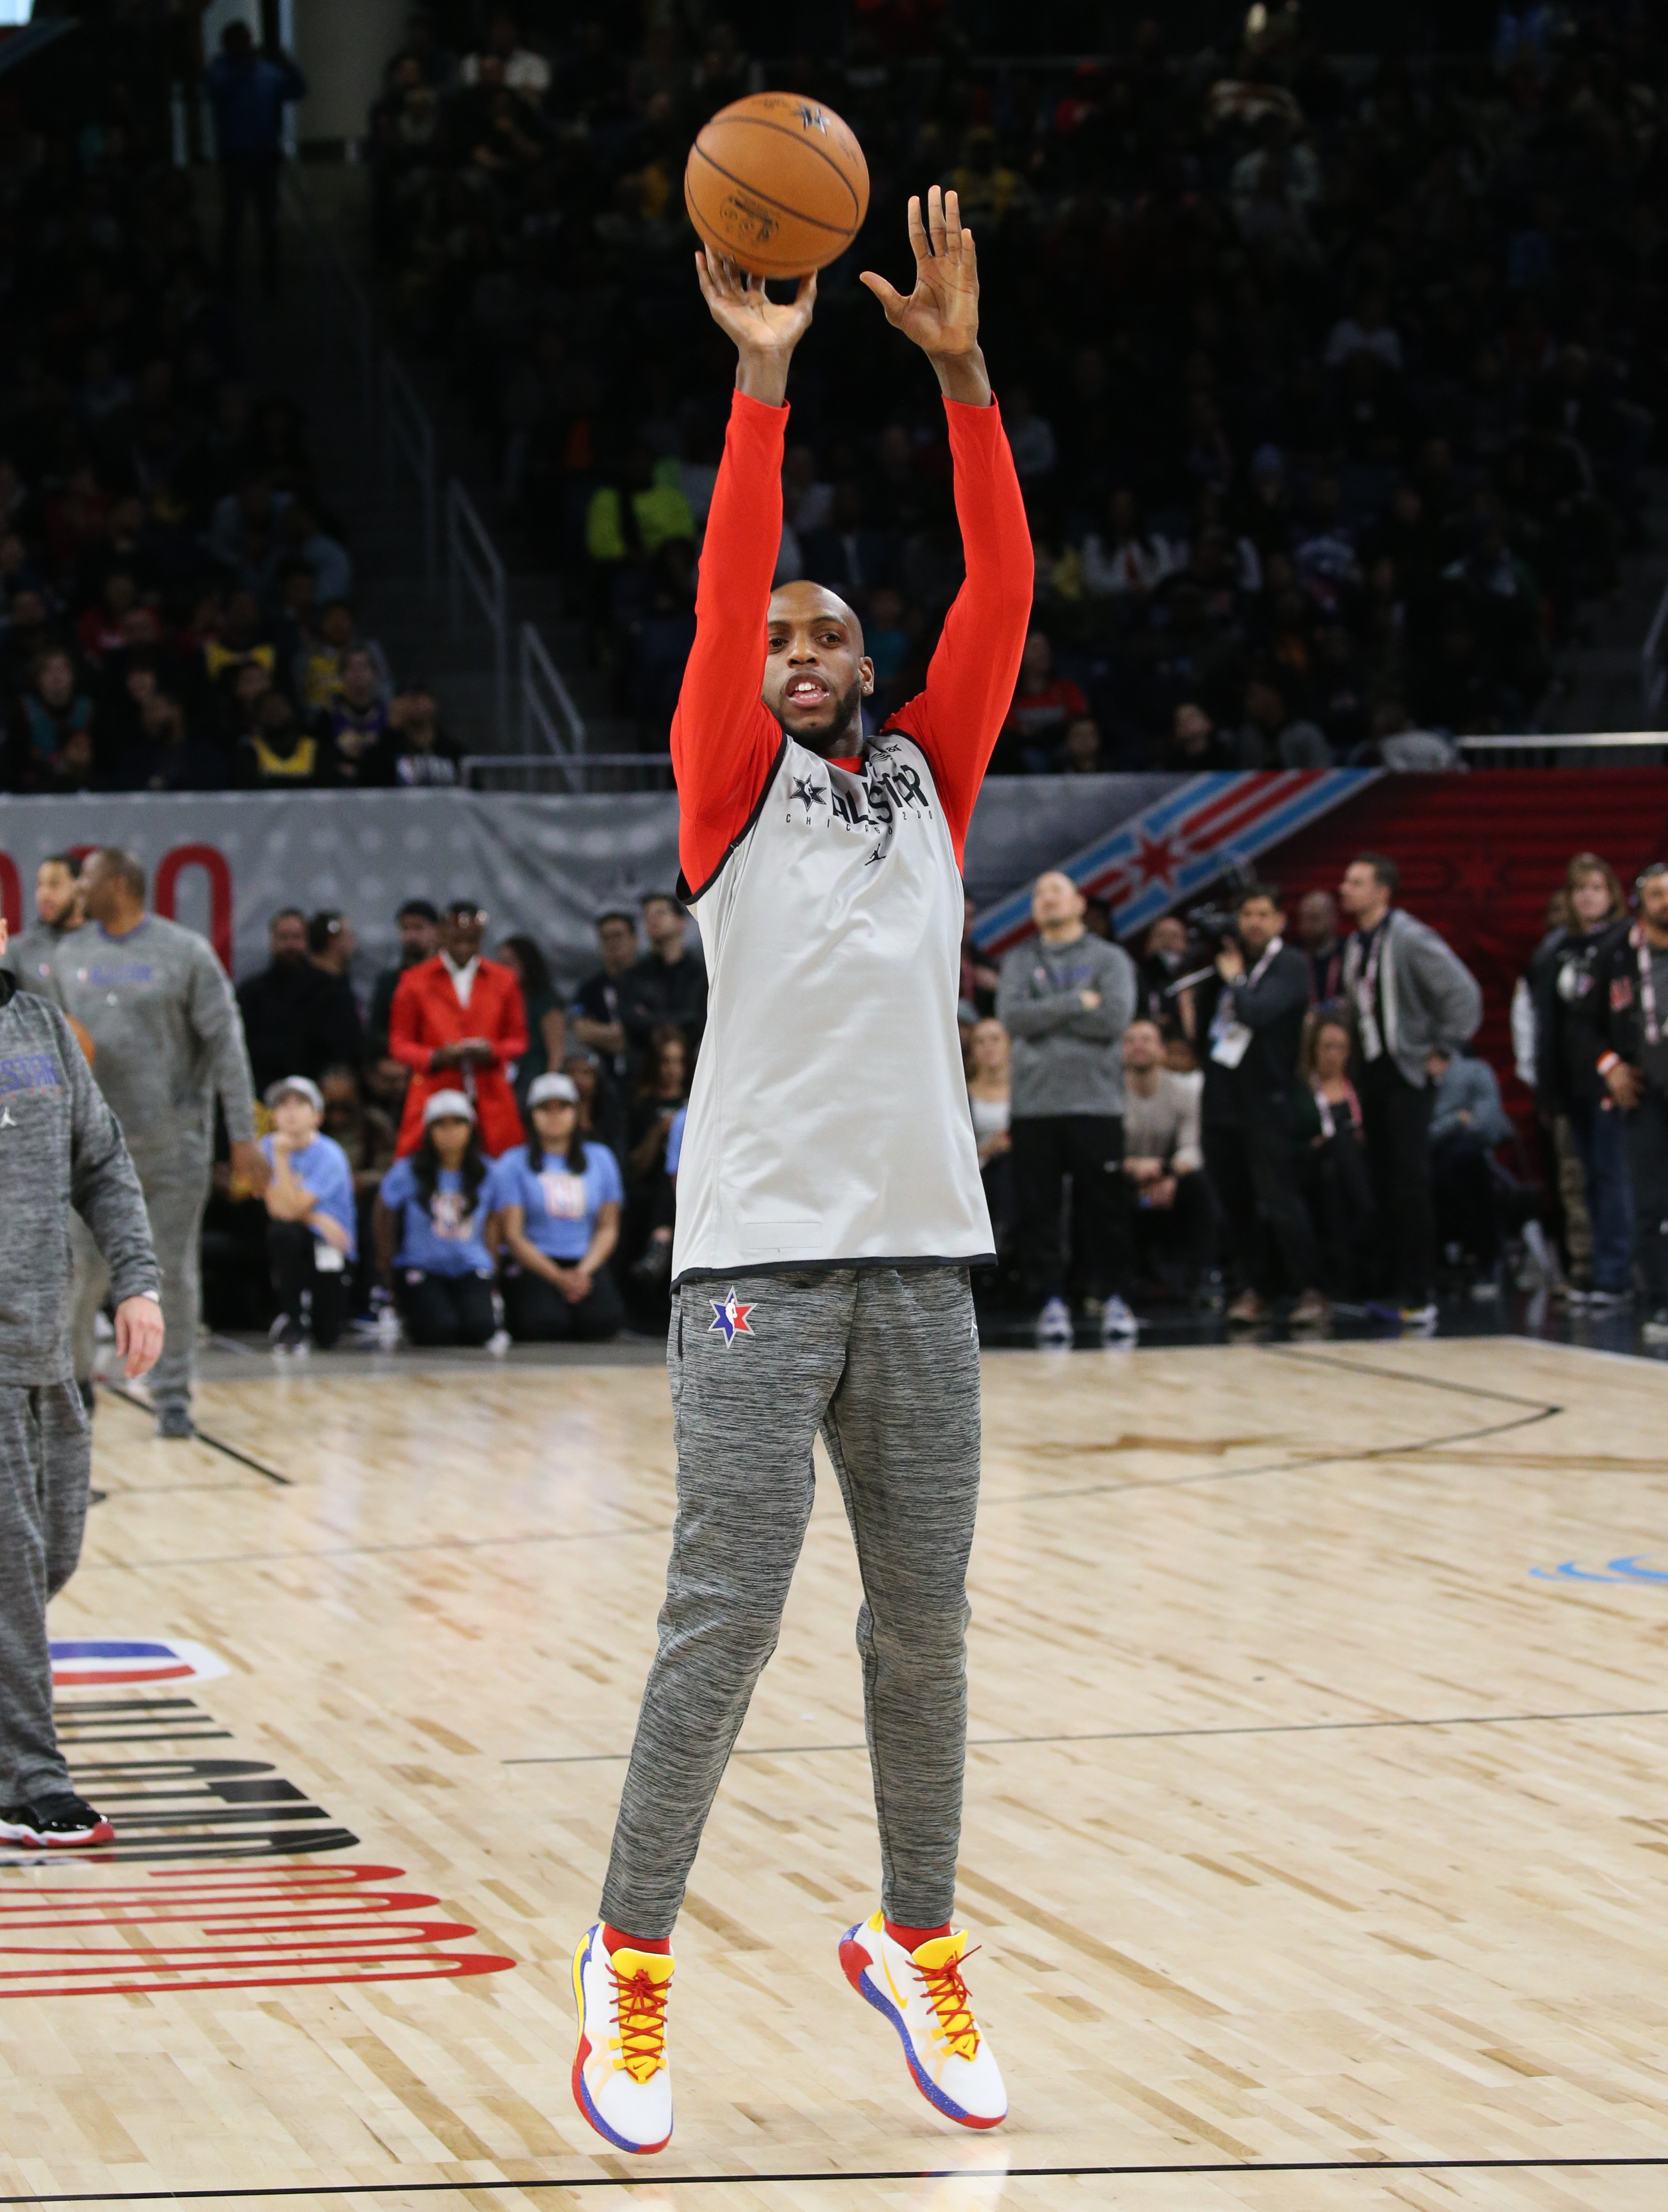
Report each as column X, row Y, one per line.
column 923, row 1995
column 621, row 2080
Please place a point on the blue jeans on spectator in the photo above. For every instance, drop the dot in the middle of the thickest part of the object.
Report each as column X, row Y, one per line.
column 1597, row 1127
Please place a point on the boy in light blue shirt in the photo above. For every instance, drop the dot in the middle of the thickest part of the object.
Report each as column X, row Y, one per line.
column 311, row 1229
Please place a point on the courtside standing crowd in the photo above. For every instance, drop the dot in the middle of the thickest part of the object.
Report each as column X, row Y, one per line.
column 1257, row 1113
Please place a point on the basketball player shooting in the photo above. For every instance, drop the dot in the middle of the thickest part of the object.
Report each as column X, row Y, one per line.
column 828, row 1200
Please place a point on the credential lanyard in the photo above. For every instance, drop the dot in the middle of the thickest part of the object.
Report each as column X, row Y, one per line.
column 1648, row 988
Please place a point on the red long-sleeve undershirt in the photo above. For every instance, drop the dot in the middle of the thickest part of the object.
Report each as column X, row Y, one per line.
column 723, row 738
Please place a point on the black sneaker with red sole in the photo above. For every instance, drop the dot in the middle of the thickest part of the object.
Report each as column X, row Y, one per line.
column 55, row 1824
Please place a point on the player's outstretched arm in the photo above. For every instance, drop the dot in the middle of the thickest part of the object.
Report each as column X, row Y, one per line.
column 765, row 331
column 970, row 682
column 942, row 315
column 723, row 741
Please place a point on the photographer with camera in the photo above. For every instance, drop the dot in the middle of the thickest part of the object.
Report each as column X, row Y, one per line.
column 1252, row 1010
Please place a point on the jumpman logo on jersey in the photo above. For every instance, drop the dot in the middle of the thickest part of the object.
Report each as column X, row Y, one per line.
column 6, row 1120
column 729, row 1318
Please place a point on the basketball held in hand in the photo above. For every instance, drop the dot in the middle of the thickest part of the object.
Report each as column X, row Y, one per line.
column 777, row 183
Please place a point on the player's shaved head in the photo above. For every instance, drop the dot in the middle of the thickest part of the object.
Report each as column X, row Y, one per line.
column 802, row 596
column 816, row 673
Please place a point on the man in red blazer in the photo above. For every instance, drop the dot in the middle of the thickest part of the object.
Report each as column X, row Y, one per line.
column 459, row 1015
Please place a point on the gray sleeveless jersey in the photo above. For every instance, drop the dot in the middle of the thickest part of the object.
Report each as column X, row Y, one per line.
column 828, row 1123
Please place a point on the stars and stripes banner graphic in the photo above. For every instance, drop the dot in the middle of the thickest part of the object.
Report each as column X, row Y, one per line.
column 1176, row 847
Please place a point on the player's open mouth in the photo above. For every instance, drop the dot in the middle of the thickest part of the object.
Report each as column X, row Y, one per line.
column 806, row 691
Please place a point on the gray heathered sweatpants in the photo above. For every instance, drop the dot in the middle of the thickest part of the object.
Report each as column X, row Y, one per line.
column 175, row 1182
column 45, row 1457
column 886, row 1363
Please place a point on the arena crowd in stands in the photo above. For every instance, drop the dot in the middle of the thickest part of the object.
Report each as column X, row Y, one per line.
column 176, row 585
column 1329, row 381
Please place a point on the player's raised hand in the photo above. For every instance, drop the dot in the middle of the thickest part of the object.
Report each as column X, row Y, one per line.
column 942, row 315
column 764, row 331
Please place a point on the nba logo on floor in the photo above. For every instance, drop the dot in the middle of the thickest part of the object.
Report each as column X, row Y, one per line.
column 729, row 1318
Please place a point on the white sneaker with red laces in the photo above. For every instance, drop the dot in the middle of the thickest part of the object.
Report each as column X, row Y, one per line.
column 621, row 2080
column 923, row 1995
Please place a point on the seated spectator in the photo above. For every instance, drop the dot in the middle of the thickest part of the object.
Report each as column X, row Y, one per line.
column 1162, row 1158
column 504, row 56
column 237, row 635
column 430, row 1214
column 989, row 1098
column 320, row 660
column 164, row 752
column 1031, row 439
column 312, row 1227
column 1271, row 735
column 302, row 537
column 296, row 1018
column 1333, row 1173
column 669, row 983
column 421, row 756
column 1043, row 703
column 1195, row 746
column 1126, row 560
column 1396, row 745
column 556, row 1200
column 278, row 754
column 355, row 725
column 53, row 729
column 1467, row 1121
column 547, row 1025
column 1082, row 753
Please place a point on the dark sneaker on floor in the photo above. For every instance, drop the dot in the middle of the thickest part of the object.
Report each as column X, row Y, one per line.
column 175, row 1423
column 54, row 1824
column 287, row 1334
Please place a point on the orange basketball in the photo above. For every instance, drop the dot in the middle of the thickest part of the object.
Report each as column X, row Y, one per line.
column 778, row 183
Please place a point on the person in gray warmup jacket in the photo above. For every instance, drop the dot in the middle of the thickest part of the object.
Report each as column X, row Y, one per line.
column 1412, row 997
column 61, row 1156
column 168, row 1038
column 1066, row 997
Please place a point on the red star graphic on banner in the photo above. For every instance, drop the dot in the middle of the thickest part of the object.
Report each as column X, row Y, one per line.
column 1156, row 862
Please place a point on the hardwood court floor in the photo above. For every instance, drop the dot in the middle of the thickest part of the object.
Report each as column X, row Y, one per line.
column 1311, row 1825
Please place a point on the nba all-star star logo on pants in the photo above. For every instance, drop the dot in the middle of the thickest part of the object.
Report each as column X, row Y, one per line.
column 884, row 1362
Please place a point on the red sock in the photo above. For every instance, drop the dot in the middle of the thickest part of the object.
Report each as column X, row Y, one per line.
column 913, row 1938
column 615, row 1939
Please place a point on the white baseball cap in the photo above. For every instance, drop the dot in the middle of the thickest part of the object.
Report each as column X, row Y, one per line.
column 297, row 1087
column 544, row 1088
column 445, row 1103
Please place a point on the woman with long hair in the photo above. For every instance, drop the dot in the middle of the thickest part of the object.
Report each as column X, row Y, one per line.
column 430, row 1214
column 547, row 1025
column 989, row 1057
column 556, row 1202
column 1332, row 1165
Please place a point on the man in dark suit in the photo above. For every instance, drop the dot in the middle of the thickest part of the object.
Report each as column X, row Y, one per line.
column 1250, row 1017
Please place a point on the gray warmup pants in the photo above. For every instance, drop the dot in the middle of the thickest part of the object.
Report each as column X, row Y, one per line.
column 175, row 1184
column 45, row 1458
column 886, row 1363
